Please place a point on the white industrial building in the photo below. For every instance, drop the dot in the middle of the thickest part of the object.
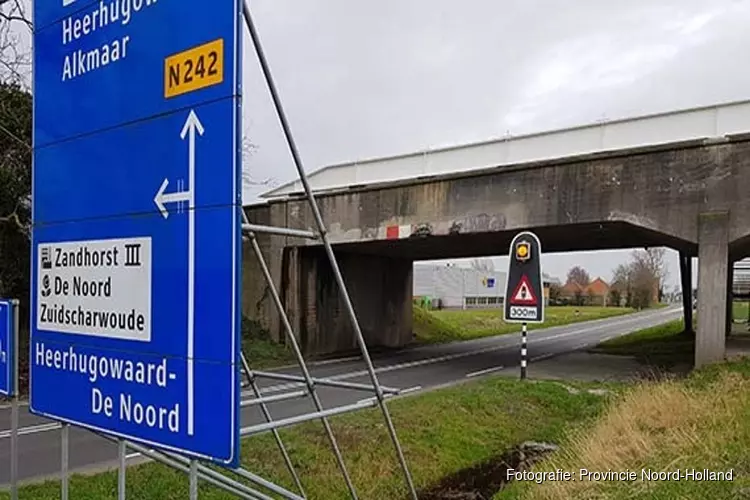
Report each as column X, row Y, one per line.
column 458, row 287
column 741, row 278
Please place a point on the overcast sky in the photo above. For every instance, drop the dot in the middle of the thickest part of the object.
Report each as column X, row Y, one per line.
column 363, row 79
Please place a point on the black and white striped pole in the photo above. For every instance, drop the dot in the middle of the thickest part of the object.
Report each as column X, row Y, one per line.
column 523, row 351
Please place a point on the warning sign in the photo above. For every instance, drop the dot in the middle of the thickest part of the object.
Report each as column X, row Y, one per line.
column 524, row 290
column 524, row 295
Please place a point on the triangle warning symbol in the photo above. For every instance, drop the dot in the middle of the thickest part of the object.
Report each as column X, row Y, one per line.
column 524, row 294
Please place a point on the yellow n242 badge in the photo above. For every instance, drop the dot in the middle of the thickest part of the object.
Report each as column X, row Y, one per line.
column 194, row 69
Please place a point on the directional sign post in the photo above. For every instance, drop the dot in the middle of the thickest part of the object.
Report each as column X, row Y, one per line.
column 9, row 379
column 524, row 294
column 137, row 224
column 8, row 347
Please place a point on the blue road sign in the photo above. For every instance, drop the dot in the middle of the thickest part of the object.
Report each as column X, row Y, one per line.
column 137, row 226
column 8, row 341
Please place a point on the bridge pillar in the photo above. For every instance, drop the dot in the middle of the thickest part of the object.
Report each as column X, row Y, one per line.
column 380, row 289
column 686, row 279
column 713, row 271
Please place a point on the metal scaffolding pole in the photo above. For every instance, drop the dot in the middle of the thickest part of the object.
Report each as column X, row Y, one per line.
column 300, row 359
column 326, row 243
column 242, row 473
column 267, row 415
column 206, row 474
column 326, row 381
column 281, row 231
column 273, row 399
column 286, row 422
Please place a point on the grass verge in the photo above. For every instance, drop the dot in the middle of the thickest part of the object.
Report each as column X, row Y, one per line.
column 432, row 327
column 663, row 346
column 740, row 310
column 697, row 423
column 261, row 351
column 441, row 432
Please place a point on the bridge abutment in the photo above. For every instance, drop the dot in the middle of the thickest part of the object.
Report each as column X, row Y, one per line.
column 379, row 287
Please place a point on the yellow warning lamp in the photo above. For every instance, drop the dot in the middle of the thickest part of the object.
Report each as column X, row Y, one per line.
column 523, row 251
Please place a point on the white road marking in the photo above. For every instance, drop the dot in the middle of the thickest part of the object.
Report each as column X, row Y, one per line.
column 388, row 396
column 34, row 429
column 8, row 406
column 544, row 356
column 334, row 361
column 324, row 362
column 483, row 372
column 449, row 357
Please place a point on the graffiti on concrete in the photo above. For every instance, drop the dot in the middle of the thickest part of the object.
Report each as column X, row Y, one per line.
column 423, row 229
column 480, row 223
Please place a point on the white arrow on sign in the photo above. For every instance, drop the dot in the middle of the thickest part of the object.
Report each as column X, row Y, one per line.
column 2, row 353
column 192, row 125
column 161, row 199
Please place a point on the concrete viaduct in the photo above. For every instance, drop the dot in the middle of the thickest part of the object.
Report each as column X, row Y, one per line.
column 691, row 195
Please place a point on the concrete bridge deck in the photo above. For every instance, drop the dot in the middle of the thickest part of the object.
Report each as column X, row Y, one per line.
column 714, row 121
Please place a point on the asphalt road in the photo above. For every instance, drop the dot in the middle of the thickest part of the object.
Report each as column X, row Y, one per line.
column 410, row 370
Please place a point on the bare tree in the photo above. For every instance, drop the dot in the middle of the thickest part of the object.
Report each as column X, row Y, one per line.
column 642, row 279
column 622, row 284
column 675, row 293
column 644, row 283
column 651, row 262
column 484, row 265
column 15, row 63
column 579, row 275
column 248, row 150
column 622, row 275
column 15, row 121
column 657, row 265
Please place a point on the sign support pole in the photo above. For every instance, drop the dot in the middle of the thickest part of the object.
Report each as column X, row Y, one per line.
column 14, row 448
column 523, row 351
column 14, row 409
column 65, row 434
column 121, row 471
column 193, row 480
